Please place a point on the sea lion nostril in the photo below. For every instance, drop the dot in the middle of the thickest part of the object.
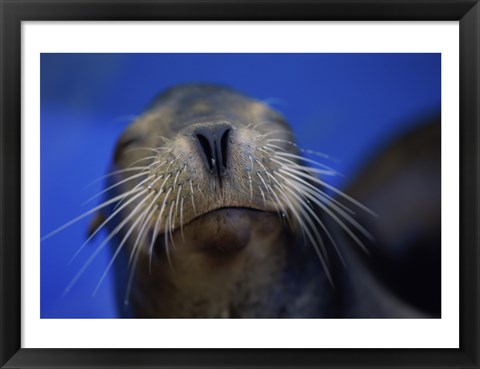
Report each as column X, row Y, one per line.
column 224, row 147
column 213, row 144
column 206, row 150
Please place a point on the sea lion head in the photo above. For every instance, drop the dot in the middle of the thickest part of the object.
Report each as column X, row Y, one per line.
column 210, row 182
column 208, row 161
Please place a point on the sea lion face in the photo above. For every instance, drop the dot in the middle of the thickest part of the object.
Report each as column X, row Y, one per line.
column 207, row 167
column 207, row 192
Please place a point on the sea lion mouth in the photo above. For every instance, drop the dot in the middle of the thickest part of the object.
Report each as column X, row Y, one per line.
column 228, row 208
column 221, row 231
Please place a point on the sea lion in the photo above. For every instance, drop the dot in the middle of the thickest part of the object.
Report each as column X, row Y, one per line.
column 212, row 211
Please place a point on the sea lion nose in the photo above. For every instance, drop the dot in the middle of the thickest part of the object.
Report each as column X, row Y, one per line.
column 213, row 144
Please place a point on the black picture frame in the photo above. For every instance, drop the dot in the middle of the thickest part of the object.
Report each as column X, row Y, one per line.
column 467, row 12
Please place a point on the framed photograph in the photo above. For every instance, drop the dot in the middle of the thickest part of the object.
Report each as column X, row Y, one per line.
column 239, row 184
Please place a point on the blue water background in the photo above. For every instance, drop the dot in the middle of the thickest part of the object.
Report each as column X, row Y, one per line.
column 346, row 105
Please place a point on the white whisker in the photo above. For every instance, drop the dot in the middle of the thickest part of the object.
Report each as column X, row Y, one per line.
column 251, row 188
column 191, row 196
column 307, row 151
column 285, row 155
column 143, row 159
column 337, row 191
column 117, row 251
column 116, row 185
column 156, row 151
column 130, row 278
column 176, row 204
column 341, row 224
column 137, row 186
column 301, row 192
column 312, row 239
column 286, row 162
column 327, row 197
column 155, row 230
column 105, row 222
column 102, row 245
column 280, row 203
column 170, row 226
column 91, row 211
column 263, row 196
column 120, row 171
column 181, row 219
column 145, row 222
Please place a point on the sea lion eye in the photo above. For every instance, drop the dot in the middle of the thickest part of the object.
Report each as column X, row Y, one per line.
column 122, row 145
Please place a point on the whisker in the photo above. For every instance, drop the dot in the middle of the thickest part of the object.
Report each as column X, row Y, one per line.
column 263, row 196
column 169, row 165
column 167, row 247
column 341, row 224
column 191, row 196
column 181, row 219
column 276, row 147
column 138, row 185
column 151, row 184
column 164, row 181
column 259, row 163
column 337, row 191
column 289, row 205
column 284, row 214
column 280, row 204
column 116, row 185
column 301, row 191
column 175, row 180
column 200, row 191
column 120, row 171
column 265, row 151
column 156, row 151
column 117, row 251
column 327, row 197
column 176, row 205
column 251, row 188
column 105, row 222
column 145, row 221
column 283, row 155
column 286, row 162
column 312, row 239
column 166, row 140
column 170, row 226
column 272, row 132
column 307, row 151
column 261, row 178
column 91, row 211
column 130, row 278
column 143, row 159
column 105, row 242
column 123, row 119
column 271, row 101
column 154, row 236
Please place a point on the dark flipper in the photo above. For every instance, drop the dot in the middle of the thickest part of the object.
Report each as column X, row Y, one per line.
column 402, row 184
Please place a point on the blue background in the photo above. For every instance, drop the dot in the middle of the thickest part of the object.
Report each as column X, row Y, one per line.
column 346, row 105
